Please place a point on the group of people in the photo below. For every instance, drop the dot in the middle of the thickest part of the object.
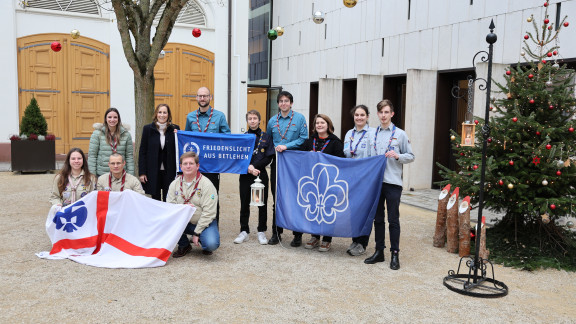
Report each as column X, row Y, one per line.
column 111, row 167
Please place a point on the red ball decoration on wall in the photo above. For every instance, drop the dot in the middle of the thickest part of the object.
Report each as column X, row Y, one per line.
column 558, row 173
column 196, row 32
column 566, row 24
column 571, row 129
column 530, row 76
column 511, row 162
column 515, row 119
column 548, row 146
column 526, row 36
column 56, row 46
column 546, row 21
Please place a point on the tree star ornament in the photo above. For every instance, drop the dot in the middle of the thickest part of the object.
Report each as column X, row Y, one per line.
column 75, row 33
column 536, row 160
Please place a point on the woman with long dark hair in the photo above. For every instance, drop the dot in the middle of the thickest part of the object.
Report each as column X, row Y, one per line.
column 74, row 180
column 157, row 155
column 107, row 138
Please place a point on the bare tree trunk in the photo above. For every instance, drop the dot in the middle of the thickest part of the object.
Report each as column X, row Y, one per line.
column 144, row 100
column 452, row 222
column 464, row 232
column 440, row 234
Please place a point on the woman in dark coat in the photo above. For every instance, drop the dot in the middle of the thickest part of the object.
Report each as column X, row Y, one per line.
column 157, row 156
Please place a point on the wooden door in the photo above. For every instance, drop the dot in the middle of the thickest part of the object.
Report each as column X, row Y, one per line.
column 71, row 86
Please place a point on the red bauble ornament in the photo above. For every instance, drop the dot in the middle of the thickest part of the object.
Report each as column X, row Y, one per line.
column 56, row 46
column 548, row 146
column 549, row 54
column 475, row 167
column 462, row 154
column 476, row 122
column 551, row 107
column 532, row 101
column 545, row 4
column 508, row 72
column 515, row 119
column 500, row 182
column 552, row 206
column 490, row 140
column 491, row 108
column 558, row 173
column 544, row 61
column 555, row 53
column 550, row 27
column 538, row 133
column 511, row 162
column 196, row 32
column 571, row 129
column 566, row 24
column 546, row 21
column 530, row 76
column 526, row 36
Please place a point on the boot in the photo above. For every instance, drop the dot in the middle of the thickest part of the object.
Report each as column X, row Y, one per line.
column 395, row 262
column 378, row 256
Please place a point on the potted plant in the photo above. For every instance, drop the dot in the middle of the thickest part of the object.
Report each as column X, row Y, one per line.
column 33, row 150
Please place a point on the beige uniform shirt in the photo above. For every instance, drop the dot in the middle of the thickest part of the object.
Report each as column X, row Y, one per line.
column 65, row 198
column 131, row 183
column 205, row 200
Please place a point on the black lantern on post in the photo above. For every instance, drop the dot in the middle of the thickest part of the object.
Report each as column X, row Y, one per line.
column 472, row 282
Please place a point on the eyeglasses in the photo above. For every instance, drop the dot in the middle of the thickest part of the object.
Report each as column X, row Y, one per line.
column 203, row 96
column 115, row 163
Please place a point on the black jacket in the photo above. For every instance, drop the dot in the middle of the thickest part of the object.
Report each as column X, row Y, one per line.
column 335, row 146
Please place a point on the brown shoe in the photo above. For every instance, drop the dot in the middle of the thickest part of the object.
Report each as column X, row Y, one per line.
column 182, row 251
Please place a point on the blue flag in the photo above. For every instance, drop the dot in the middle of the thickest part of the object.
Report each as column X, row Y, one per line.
column 326, row 195
column 218, row 153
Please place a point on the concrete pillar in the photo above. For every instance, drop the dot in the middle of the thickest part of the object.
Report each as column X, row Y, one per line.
column 330, row 101
column 498, row 72
column 369, row 92
column 10, row 121
column 420, row 115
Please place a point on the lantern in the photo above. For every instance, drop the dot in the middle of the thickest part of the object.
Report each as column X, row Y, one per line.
column 257, row 193
column 468, row 132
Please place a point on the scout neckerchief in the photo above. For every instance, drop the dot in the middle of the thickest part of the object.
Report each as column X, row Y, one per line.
column 187, row 199
column 389, row 142
column 207, row 124
column 259, row 141
column 123, row 181
column 323, row 147
column 283, row 136
column 73, row 186
column 353, row 152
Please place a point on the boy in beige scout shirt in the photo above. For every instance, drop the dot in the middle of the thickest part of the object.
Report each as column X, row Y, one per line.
column 117, row 179
column 194, row 189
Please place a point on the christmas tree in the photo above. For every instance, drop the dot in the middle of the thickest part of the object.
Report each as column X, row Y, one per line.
column 531, row 156
column 33, row 122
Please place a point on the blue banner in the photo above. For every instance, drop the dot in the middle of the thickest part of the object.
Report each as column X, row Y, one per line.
column 326, row 195
column 218, row 153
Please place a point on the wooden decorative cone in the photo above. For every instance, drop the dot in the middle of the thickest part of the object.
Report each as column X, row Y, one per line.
column 464, row 229
column 484, row 253
column 452, row 223
column 440, row 233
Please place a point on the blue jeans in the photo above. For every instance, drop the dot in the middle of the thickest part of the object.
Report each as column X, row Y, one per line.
column 209, row 238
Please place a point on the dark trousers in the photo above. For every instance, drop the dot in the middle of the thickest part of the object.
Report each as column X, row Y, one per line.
column 215, row 178
column 391, row 195
column 363, row 240
column 162, row 185
column 325, row 239
column 275, row 229
column 246, row 180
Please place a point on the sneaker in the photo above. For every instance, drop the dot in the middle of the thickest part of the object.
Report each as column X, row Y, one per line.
column 351, row 247
column 325, row 246
column 314, row 242
column 182, row 251
column 262, row 238
column 357, row 250
column 242, row 237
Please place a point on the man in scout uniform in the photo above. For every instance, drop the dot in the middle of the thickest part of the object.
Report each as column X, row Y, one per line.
column 117, row 179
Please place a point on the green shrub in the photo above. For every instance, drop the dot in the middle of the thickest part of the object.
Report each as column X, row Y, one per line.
column 33, row 121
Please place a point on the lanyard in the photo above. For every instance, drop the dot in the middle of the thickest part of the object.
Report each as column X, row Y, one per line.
column 323, row 147
column 389, row 142
column 123, row 181
column 283, row 136
column 187, row 199
column 198, row 120
column 353, row 152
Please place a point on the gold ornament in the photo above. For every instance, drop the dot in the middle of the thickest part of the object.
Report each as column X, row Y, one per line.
column 529, row 19
column 545, row 218
column 510, row 186
column 280, row 30
column 318, row 17
column 452, row 137
column 350, row 3
column 75, row 33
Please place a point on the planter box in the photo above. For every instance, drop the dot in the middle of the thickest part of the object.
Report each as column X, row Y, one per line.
column 33, row 156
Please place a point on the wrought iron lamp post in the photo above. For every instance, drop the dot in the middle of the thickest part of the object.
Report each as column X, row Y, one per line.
column 472, row 282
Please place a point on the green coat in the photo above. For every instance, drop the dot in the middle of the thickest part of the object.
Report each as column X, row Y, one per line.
column 99, row 151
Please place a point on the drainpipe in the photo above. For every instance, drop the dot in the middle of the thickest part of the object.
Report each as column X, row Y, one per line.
column 229, row 61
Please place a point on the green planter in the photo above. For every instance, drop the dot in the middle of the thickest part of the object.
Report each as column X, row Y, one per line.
column 33, row 156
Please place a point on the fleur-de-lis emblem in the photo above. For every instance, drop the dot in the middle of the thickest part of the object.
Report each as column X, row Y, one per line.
column 71, row 218
column 323, row 195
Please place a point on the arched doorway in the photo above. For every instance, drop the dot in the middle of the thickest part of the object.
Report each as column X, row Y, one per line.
column 72, row 86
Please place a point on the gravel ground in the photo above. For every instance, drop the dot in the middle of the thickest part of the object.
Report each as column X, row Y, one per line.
column 254, row 283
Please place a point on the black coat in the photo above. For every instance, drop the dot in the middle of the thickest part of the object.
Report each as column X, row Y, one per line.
column 150, row 155
column 335, row 147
